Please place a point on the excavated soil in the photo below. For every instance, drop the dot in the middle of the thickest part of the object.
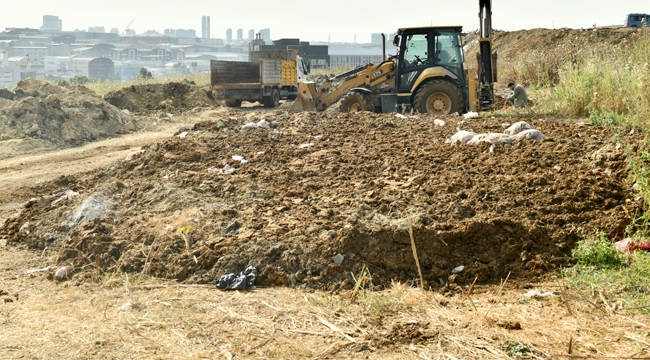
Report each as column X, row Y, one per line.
column 38, row 116
column 294, row 207
column 173, row 97
column 513, row 44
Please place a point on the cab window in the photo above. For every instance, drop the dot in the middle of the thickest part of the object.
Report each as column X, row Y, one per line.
column 416, row 50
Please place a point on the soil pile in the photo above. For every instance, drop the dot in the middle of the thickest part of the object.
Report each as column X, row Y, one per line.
column 323, row 195
column 511, row 45
column 38, row 115
column 174, row 97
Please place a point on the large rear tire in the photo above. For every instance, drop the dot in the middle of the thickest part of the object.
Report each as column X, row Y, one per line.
column 438, row 97
column 273, row 100
column 355, row 102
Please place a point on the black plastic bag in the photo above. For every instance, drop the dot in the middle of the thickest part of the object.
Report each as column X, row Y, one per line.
column 242, row 281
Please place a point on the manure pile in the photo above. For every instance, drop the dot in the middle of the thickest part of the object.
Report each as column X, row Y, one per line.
column 320, row 196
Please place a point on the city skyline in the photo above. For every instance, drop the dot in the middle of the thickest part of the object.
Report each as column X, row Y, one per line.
column 339, row 21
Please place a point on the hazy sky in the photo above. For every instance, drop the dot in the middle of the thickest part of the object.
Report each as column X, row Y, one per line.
column 317, row 20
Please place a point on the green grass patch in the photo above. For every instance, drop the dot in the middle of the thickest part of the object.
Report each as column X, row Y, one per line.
column 518, row 348
column 622, row 277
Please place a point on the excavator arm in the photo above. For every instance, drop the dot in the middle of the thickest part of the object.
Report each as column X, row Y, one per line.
column 487, row 61
column 371, row 78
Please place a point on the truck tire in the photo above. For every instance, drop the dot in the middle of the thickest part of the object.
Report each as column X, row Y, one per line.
column 233, row 103
column 438, row 97
column 273, row 100
column 356, row 101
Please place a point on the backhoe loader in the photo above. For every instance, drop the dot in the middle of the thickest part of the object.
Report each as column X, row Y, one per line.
column 427, row 75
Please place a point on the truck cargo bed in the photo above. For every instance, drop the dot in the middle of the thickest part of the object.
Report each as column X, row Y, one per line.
column 234, row 72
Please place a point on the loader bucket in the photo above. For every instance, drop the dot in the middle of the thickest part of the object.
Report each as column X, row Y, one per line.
column 305, row 99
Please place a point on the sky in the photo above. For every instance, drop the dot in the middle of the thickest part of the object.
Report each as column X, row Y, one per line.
column 333, row 20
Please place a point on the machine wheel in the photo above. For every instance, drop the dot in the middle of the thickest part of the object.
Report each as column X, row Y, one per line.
column 273, row 100
column 438, row 98
column 233, row 103
column 355, row 101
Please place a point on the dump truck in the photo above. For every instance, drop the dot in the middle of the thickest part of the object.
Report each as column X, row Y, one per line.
column 269, row 76
column 427, row 75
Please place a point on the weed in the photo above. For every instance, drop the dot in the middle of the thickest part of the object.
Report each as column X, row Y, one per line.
column 518, row 348
column 598, row 252
column 271, row 353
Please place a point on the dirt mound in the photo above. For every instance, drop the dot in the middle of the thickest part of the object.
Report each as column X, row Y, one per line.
column 321, row 185
column 38, row 115
column 174, row 97
column 511, row 44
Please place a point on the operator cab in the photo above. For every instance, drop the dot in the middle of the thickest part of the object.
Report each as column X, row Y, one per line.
column 427, row 47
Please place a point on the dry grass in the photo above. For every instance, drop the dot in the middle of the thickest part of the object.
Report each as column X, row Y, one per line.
column 102, row 88
column 79, row 319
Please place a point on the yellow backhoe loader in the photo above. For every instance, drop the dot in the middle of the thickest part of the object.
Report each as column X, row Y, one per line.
column 427, row 75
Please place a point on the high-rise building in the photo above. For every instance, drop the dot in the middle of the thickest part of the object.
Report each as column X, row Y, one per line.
column 229, row 35
column 180, row 33
column 375, row 38
column 205, row 27
column 251, row 34
column 240, row 34
column 266, row 34
column 52, row 23
column 96, row 29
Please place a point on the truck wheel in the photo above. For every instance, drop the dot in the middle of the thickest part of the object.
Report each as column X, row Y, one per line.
column 438, row 97
column 233, row 103
column 273, row 100
column 355, row 101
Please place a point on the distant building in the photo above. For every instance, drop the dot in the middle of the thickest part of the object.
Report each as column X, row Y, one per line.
column 30, row 66
column 96, row 68
column 52, row 23
column 148, row 40
column 205, row 27
column 375, row 39
column 9, row 75
column 240, row 34
column 229, row 35
column 251, row 34
column 356, row 57
column 57, row 65
column 34, row 51
column 316, row 55
column 266, row 34
column 115, row 31
column 180, row 33
column 97, row 29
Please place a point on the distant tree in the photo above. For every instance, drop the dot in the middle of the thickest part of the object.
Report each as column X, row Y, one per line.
column 144, row 74
column 80, row 80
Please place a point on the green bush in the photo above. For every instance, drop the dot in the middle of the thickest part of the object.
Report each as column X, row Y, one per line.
column 144, row 74
column 81, row 80
column 597, row 252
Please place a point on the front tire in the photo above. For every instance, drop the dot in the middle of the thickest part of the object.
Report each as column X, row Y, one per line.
column 438, row 97
column 355, row 102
